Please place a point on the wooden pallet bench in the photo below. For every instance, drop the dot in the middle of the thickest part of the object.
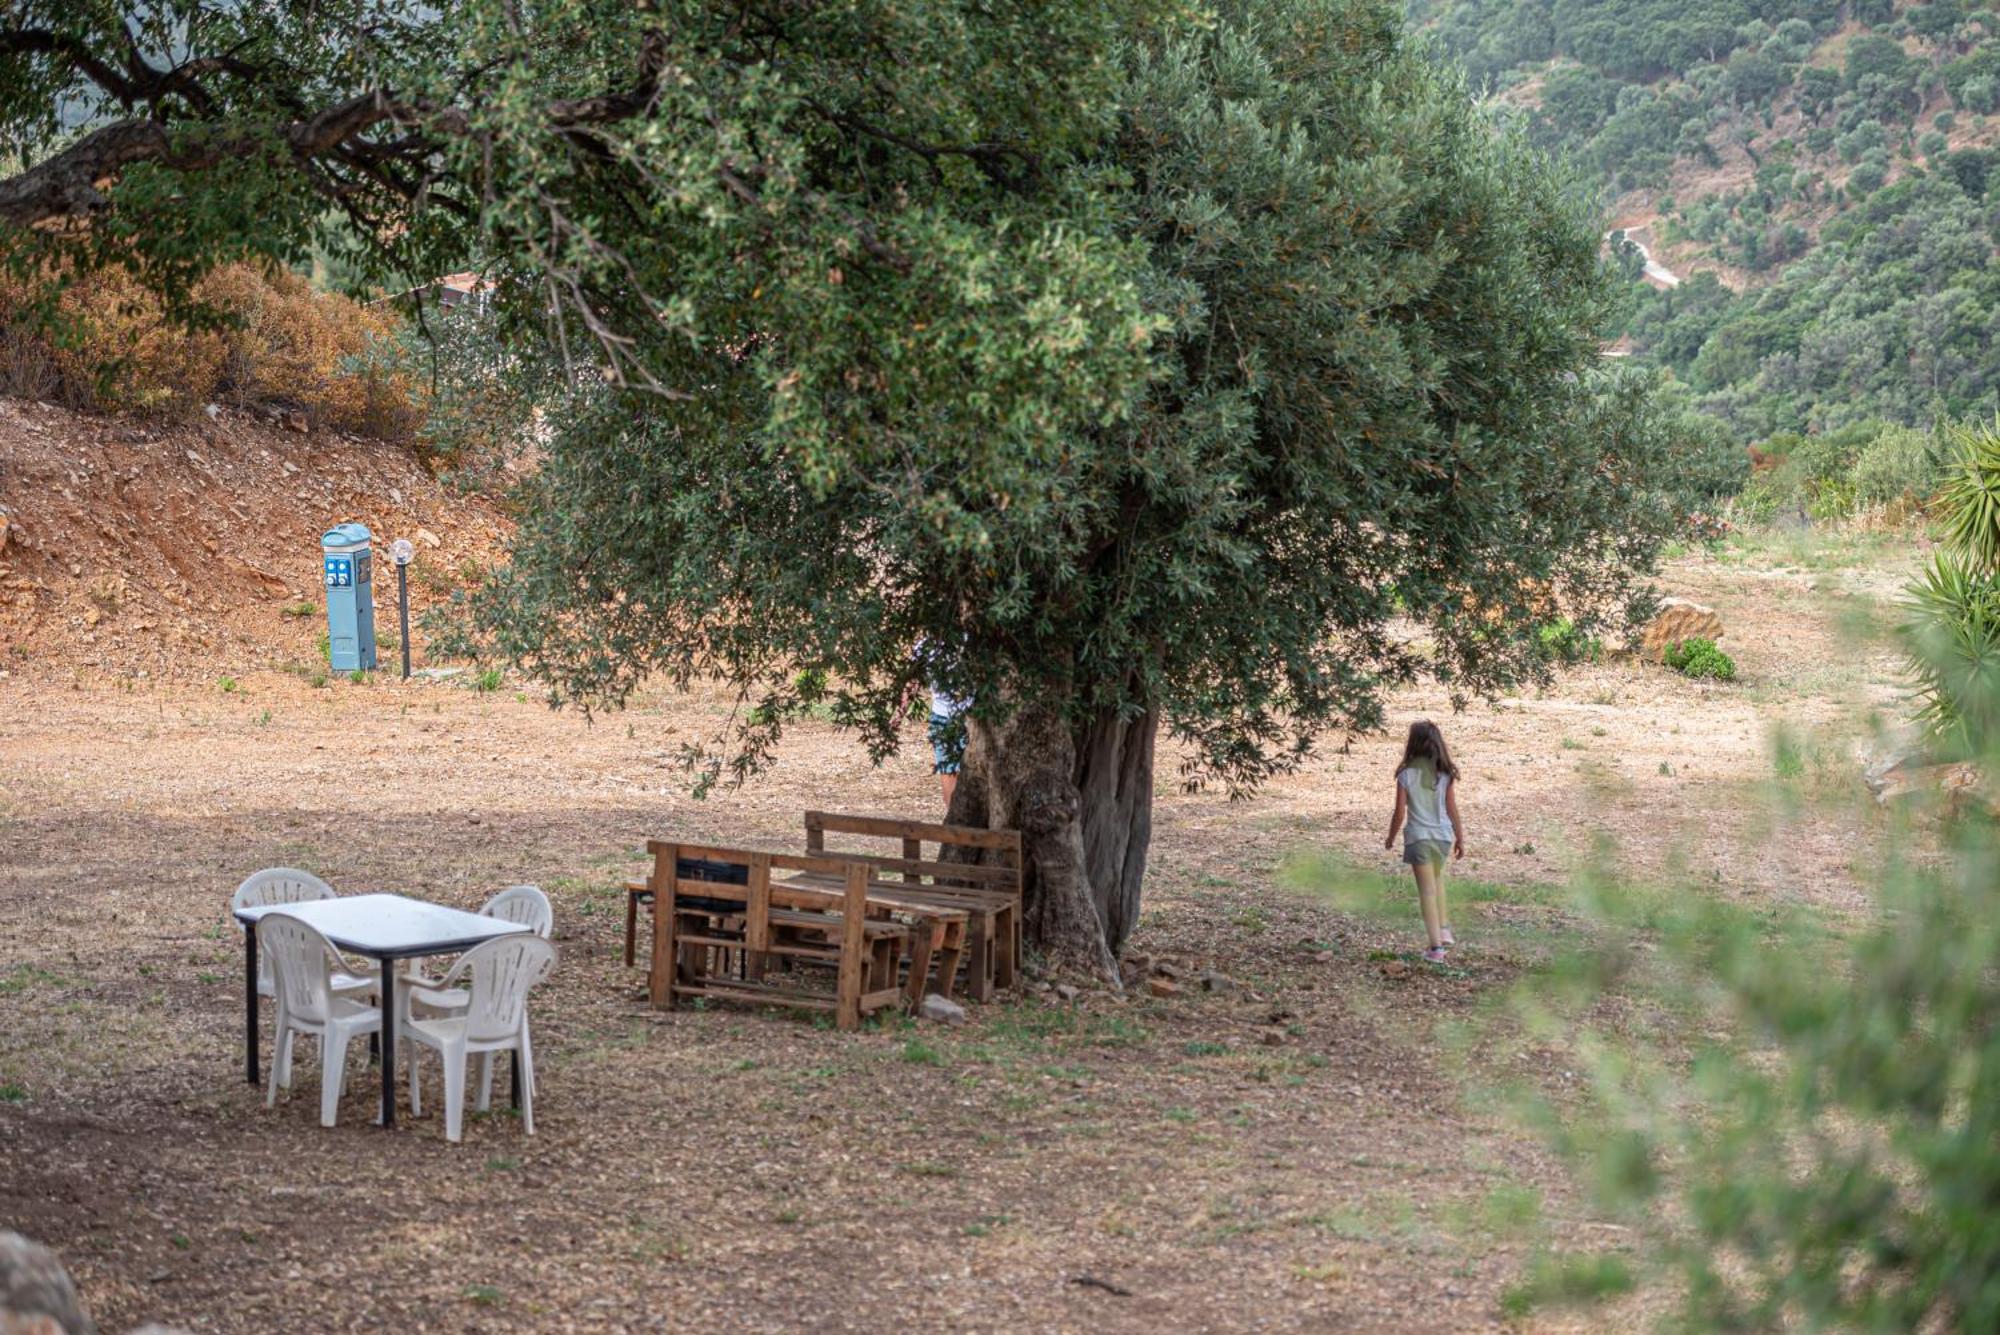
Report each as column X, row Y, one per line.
column 988, row 892
column 741, row 938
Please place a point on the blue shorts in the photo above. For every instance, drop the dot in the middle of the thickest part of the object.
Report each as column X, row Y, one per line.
column 947, row 743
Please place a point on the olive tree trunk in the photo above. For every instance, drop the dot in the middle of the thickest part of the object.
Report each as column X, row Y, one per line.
column 1082, row 798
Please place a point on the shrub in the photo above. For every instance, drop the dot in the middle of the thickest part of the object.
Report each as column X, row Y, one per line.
column 1698, row 657
column 102, row 342
column 1811, row 1145
column 1901, row 464
column 1562, row 642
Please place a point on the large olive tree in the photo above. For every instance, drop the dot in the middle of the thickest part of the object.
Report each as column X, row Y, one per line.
column 1200, row 371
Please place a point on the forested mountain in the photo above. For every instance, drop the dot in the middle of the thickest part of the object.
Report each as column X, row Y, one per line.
column 1824, row 179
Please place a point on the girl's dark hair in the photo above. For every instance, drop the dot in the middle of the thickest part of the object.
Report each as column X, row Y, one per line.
column 1427, row 743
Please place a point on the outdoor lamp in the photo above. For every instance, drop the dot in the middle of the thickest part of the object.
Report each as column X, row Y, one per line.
column 402, row 552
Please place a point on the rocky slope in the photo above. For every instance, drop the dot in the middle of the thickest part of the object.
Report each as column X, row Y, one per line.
column 190, row 551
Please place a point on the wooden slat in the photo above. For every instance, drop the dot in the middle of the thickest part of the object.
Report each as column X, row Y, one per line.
column 913, row 851
column 889, row 827
column 741, row 856
column 763, row 994
column 827, row 954
column 665, row 858
column 757, row 920
column 854, row 922
column 964, row 871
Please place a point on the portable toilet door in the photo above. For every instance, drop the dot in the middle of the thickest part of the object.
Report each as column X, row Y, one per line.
column 350, row 597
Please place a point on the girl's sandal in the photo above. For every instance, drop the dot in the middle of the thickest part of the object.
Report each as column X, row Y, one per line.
column 1449, row 939
column 1436, row 955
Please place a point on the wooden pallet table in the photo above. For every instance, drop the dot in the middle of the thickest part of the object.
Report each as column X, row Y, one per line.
column 987, row 890
column 768, row 923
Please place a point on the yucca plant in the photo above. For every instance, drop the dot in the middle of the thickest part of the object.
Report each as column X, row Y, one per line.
column 1952, row 633
column 1969, row 501
column 1954, row 653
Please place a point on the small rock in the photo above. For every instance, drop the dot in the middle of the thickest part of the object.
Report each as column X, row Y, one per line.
column 942, row 1010
column 1160, row 987
column 1395, row 968
column 1325, row 957
column 428, row 538
column 296, row 421
column 1165, row 969
column 213, row 410
column 1066, row 992
column 1211, row 981
column 1271, row 1038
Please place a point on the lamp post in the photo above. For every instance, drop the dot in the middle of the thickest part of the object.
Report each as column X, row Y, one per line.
column 403, row 552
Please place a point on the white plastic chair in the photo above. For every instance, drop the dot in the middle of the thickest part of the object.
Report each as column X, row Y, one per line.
column 303, row 964
column 288, row 885
column 524, row 904
column 496, row 976
column 425, row 999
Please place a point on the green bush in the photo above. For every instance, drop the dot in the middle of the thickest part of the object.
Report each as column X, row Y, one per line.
column 1562, row 642
column 1900, row 464
column 1810, row 1145
column 1700, row 658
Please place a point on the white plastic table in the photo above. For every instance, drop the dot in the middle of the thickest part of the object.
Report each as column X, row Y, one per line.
column 385, row 928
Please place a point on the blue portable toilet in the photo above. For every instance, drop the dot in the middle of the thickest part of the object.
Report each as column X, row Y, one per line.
column 350, row 597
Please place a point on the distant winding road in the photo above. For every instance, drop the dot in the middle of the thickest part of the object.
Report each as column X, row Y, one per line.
column 1655, row 271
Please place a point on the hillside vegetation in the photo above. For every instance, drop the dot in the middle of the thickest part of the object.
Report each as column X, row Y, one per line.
column 1821, row 175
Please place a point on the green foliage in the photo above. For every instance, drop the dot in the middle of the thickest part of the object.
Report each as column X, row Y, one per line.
column 1882, row 288
column 1832, row 475
column 1969, row 500
column 1900, row 464
column 227, row 685
column 1135, row 395
column 1952, row 627
column 1566, row 1281
column 1562, row 642
column 487, row 680
column 1953, row 632
column 1808, row 1143
column 1698, row 657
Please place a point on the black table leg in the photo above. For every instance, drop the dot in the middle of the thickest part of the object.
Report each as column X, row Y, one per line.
column 388, row 1041
column 250, row 1004
column 515, row 1066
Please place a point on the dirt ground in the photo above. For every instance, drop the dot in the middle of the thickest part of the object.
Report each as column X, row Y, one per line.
column 1293, row 1155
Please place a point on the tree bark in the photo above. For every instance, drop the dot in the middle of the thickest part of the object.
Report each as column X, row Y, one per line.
column 1082, row 799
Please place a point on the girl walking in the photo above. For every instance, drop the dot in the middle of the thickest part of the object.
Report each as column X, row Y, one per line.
column 1427, row 814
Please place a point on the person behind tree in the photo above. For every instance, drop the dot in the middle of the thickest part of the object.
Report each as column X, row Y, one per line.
column 1427, row 813
column 947, row 723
